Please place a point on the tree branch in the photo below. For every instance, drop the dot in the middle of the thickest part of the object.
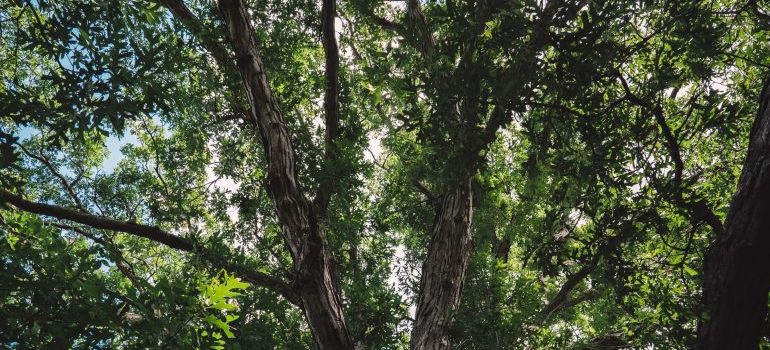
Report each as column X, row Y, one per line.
column 561, row 297
column 56, row 174
column 332, row 171
column 561, row 300
column 698, row 208
column 152, row 233
column 217, row 50
column 420, row 24
column 421, row 187
column 293, row 209
column 302, row 232
column 117, row 256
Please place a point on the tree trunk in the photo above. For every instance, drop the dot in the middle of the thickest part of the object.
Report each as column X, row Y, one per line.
column 443, row 271
column 302, row 233
column 737, row 275
column 321, row 298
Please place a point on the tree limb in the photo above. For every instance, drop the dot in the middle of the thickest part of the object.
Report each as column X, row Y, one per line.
column 152, row 233
column 561, row 300
column 117, row 256
column 561, row 297
column 332, row 171
column 420, row 24
column 217, row 50
column 303, row 235
column 698, row 208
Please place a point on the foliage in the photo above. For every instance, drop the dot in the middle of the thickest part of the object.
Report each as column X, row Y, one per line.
column 217, row 297
column 625, row 132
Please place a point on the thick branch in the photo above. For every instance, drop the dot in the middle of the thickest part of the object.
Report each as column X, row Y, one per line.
column 501, row 113
column 214, row 47
column 292, row 207
column 383, row 22
column 590, row 294
column 152, row 233
column 562, row 296
column 332, row 61
column 333, row 171
column 422, row 29
column 301, row 230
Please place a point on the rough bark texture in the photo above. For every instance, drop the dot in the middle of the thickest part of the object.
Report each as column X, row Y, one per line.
column 444, row 270
column 302, row 234
column 737, row 276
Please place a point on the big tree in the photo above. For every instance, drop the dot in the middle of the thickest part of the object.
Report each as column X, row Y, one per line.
column 358, row 174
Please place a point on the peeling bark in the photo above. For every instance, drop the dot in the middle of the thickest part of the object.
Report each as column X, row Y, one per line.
column 737, row 271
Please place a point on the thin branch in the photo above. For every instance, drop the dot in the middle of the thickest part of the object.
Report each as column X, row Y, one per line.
column 66, row 184
column 117, row 256
column 561, row 300
column 417, row 183
column 698, row 208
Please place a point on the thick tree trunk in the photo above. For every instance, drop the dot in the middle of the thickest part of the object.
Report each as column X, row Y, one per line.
column 321, row 298
column 443, row 271
column 737, row 276
column 303, row 236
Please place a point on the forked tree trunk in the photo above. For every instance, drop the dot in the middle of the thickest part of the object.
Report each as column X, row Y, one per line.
column 737, row 275
column 303, row 236
column 443, row 271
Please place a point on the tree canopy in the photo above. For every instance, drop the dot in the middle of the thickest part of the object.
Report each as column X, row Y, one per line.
column 295, row 174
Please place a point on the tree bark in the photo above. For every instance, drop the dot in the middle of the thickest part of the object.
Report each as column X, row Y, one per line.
column 444, row 270
column 737, row 269
column 302, row 233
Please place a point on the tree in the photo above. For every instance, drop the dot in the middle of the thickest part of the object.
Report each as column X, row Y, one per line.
column 736, row 282
column 519, row 174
